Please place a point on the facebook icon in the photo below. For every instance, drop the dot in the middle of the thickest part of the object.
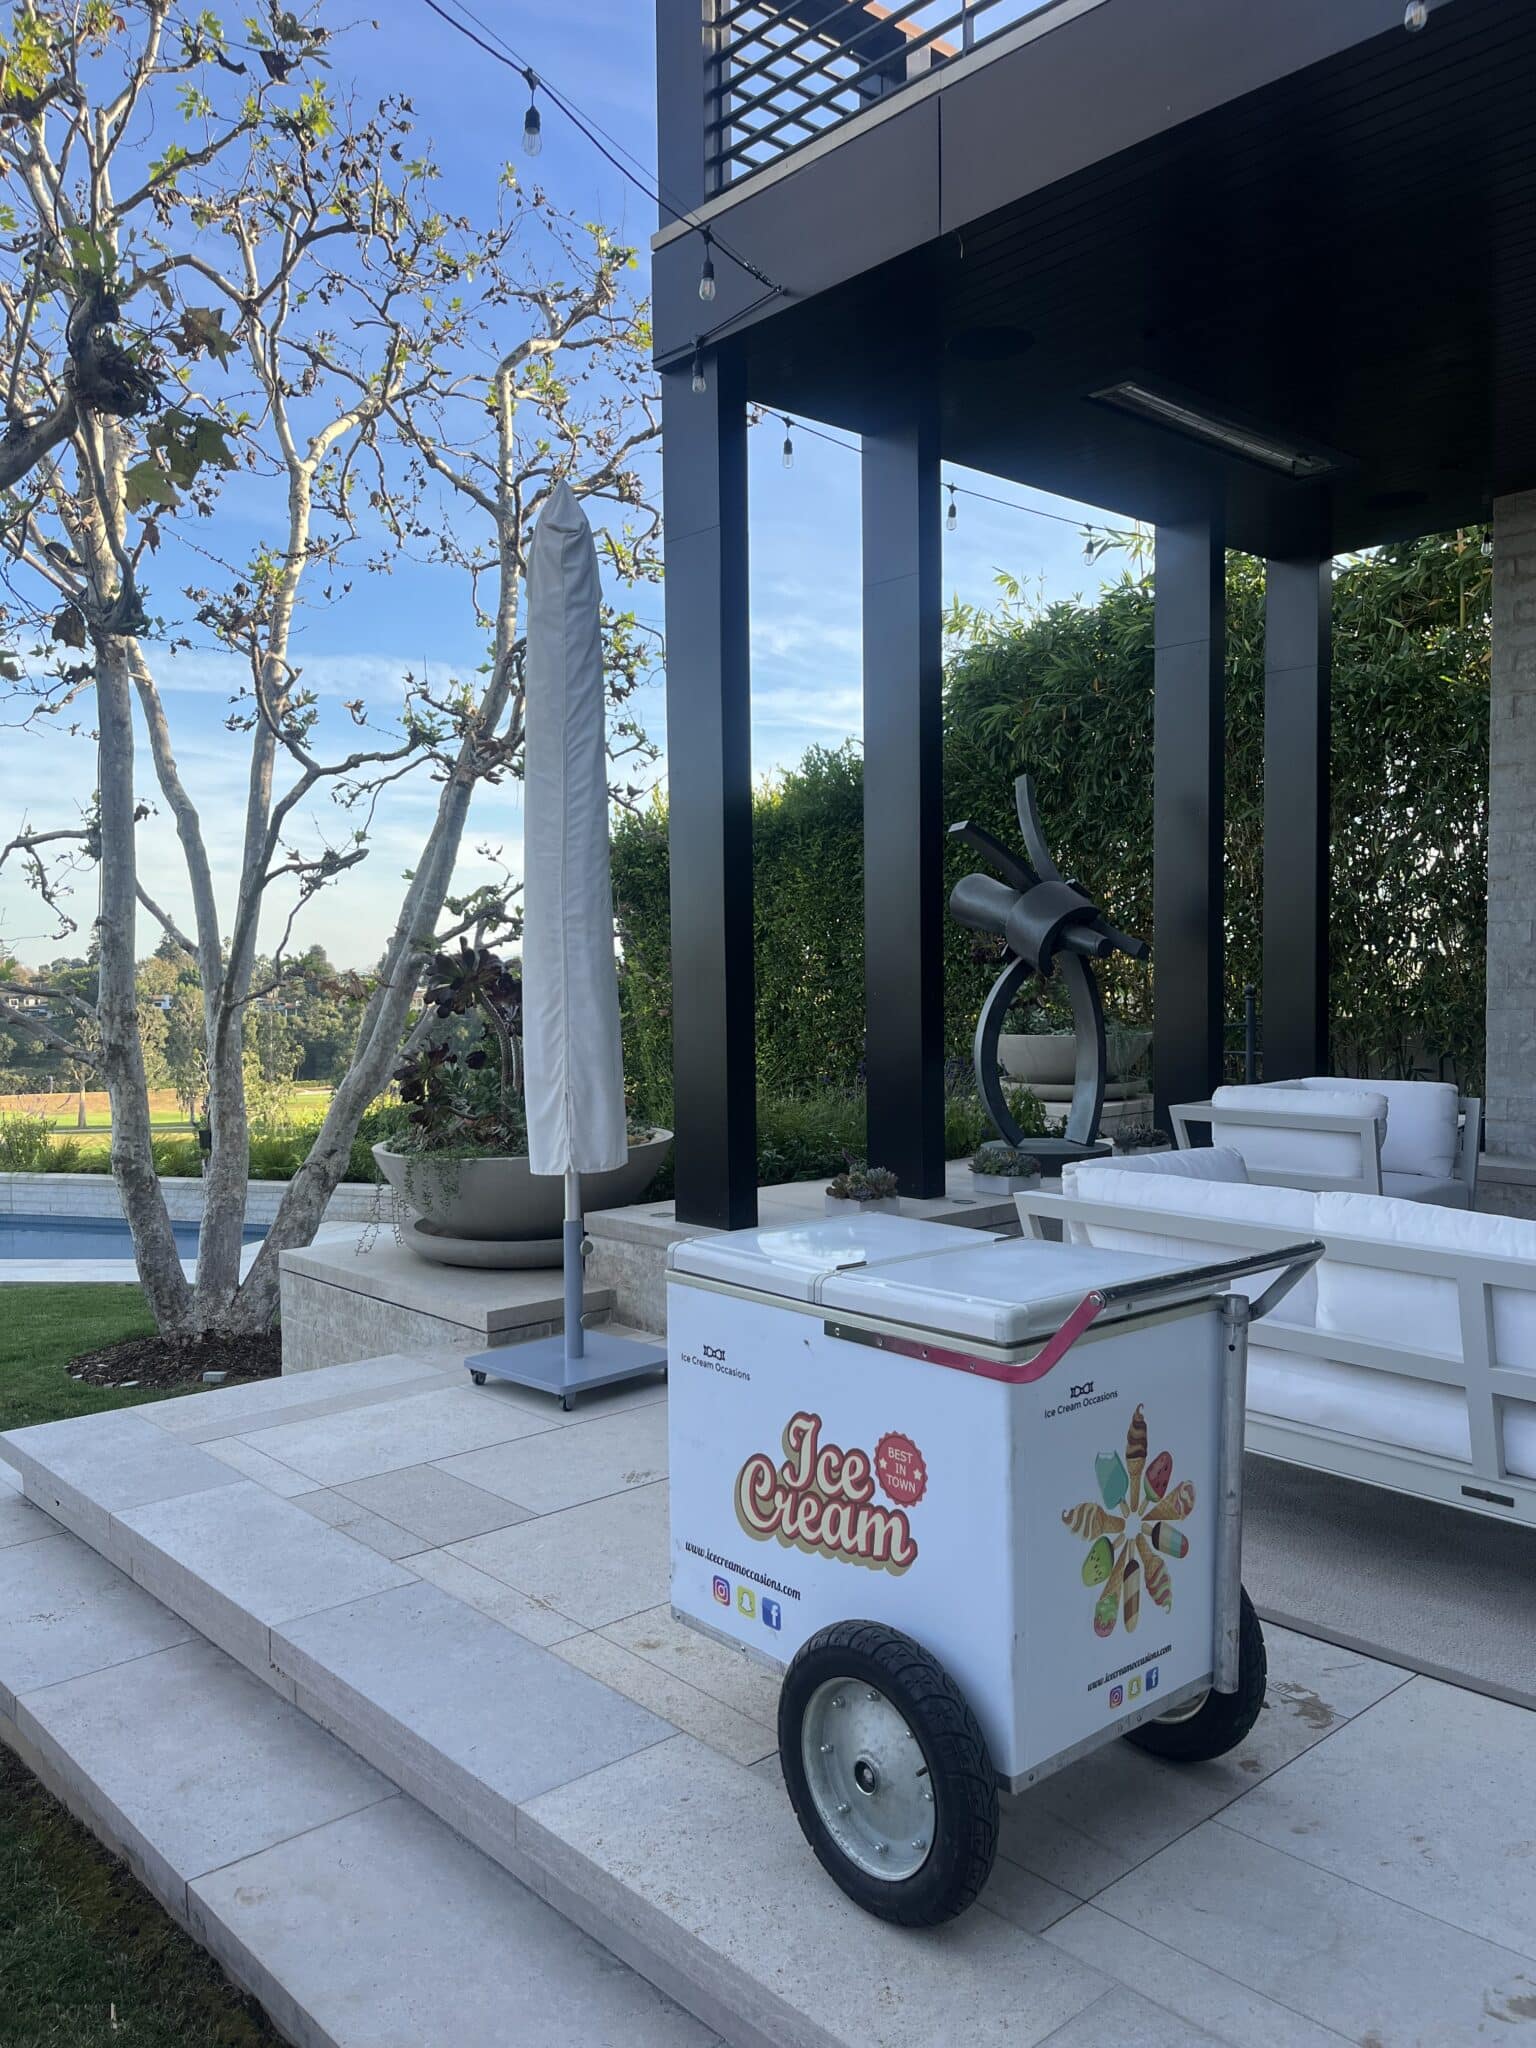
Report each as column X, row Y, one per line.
column 772, row 1614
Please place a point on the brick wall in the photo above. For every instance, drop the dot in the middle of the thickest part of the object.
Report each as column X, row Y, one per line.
column 1511, row 1083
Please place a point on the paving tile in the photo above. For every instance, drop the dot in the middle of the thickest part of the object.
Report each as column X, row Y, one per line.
column 20, row 1521
column 386, row 1931
column 1200, row 1995
column 360, row 1523
column 465, row 1715
column 1088, row 1825
column 1024, row 1900
column 743, row 1740
column 238, row 1560
column 722, row 1670
column 250, row 1463
column 1385, row 1804
column 387, row 1435
column 81, row 1471
column 182, row 1761
column 226, row 1409
column 437, row 1507
column 65, row 1611
column 705, row 1865
column 1129, row 2022
column 1346, row 1957
column 535, row 1619
column 595, row 1563
column 578, row 1464
column 247, row 1425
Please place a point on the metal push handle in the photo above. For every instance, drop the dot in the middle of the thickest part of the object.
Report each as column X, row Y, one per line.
column 1296, row 1259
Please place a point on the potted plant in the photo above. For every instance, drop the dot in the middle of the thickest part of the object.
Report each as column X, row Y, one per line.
column 461, row 1160
column 1138, row 1137
column 1000, row 1169
column 860, row 1189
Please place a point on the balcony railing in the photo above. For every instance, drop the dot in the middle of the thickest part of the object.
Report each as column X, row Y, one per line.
column 783, row 72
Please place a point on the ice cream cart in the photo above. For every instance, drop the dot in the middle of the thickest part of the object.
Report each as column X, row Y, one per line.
column 981, row 1498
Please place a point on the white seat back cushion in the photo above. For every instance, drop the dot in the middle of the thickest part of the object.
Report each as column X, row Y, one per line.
column 1181, row 1204
column 1421, row 1311
column 1422, row 1122
column 1267, row 1148
column 1204, row 1162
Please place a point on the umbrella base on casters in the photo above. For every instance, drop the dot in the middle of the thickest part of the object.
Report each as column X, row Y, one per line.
column 606, row 1360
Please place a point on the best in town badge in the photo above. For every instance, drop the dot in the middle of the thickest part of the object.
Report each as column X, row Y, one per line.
column 900, row 1469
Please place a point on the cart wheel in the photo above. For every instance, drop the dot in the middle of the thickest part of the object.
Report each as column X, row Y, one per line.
column 889, row 1775
column 1216, row 1721
column 478, row 1378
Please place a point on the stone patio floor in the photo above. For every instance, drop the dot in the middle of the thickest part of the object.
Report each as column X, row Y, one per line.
column 469, row 1588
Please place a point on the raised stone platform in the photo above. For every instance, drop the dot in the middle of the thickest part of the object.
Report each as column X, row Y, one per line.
column 355, row 1293
column 362, row 1619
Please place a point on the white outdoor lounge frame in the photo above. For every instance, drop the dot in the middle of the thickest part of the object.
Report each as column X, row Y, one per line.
column 1335, row 1122
column 1483, row 1485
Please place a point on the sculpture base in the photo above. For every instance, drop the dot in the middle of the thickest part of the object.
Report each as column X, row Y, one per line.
column 1055, row 1153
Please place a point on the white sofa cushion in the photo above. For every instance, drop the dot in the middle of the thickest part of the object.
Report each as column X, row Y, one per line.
column 1421, row 1311
column 1267, row 1148
column 1289, row 1209
column 1423, row 1133
column 1204, row 1162
column 1379, row 1407
column 1415, row 1187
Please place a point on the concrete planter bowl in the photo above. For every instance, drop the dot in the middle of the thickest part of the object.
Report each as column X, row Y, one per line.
column 1049, row 1058
column 494, row 1212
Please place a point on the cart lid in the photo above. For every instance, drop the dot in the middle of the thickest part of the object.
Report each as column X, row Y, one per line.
column 1005, row 1293
column 790, row 1259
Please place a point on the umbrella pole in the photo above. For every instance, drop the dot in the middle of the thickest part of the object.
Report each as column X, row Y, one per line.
column 575, row 1343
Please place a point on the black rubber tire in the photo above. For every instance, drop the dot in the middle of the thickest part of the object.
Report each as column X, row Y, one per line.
column 954, row 1750
column 478, row 1378
column 1225, row 1718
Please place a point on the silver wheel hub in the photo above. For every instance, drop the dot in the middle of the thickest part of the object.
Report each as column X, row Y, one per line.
column 868, row 1779
column 1185, row 1713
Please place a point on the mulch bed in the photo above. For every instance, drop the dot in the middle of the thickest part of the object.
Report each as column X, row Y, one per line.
column 180, row 1362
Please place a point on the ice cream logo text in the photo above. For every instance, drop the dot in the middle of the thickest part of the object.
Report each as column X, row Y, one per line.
column 822, row 1500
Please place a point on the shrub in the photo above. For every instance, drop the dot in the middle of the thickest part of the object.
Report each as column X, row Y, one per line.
column 859, row 1183
column 25, row 1142
column 1006, row 1162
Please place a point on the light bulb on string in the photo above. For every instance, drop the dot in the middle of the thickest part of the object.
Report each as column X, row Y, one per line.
column 788, row 456
column 952, row 519
column 700, row 381
column 533, row 124
column 1415, row 15
column 707, row 272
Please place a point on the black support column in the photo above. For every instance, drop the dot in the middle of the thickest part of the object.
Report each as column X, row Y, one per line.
column 904, row 796
column 709, row 772
column 1298, row 641
column 1188, row 811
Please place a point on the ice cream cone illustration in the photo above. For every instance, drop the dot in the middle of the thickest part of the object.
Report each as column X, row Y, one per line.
column 1090, row 1520
column 1136, row 1455
column 1129, row 1548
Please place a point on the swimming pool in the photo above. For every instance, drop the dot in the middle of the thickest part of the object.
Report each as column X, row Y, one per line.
column 86, row 1237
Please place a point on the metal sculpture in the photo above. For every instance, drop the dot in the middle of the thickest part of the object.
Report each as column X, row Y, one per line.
column 1046, row 922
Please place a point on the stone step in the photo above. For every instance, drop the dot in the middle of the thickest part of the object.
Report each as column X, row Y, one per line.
column 356, row 1917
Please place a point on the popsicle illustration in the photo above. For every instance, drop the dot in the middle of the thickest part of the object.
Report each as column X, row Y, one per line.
column 1132, row 1594
column 1136, row 1454
column 1099, row 1563
column 1159, row 1585
column 1175, row 1505
column 1090, row 1520
column 1172, row 1542
column 1109, row 1600
column 1114, row 1480
column 1159, row 1472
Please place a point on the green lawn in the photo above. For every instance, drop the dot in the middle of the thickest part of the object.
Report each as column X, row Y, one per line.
column 86, row 1955
column 41, row 1329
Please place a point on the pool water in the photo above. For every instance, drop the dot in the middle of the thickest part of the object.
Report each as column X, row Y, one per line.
column 86, row 1237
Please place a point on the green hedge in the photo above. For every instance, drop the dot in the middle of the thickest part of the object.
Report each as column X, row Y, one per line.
column 26, row 1147
column 1066, row 692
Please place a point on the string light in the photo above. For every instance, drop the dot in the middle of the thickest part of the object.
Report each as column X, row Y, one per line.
column 707, row 273
column 700, row 381
column 788, row 457
column 952, row 518
column 533, row 125
column 1415, row 16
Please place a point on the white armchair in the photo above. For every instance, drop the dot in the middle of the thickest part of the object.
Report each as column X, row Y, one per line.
column 1416, row 1140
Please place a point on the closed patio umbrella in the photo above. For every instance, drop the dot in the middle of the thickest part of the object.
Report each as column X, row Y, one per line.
column 573, row 1069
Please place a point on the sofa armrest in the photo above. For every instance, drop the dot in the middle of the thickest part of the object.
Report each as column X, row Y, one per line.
column 1324, row 1121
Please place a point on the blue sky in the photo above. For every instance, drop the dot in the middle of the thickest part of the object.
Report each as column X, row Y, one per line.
column 805, row 562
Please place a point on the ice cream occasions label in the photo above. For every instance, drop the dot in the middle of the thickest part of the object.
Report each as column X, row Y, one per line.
column 821, row 1499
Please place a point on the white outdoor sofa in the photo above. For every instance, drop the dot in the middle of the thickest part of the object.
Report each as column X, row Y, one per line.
column 1407, row 1359
column 1417, row 1140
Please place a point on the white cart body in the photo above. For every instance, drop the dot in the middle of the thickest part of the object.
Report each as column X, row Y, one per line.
column 1020, row 1454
